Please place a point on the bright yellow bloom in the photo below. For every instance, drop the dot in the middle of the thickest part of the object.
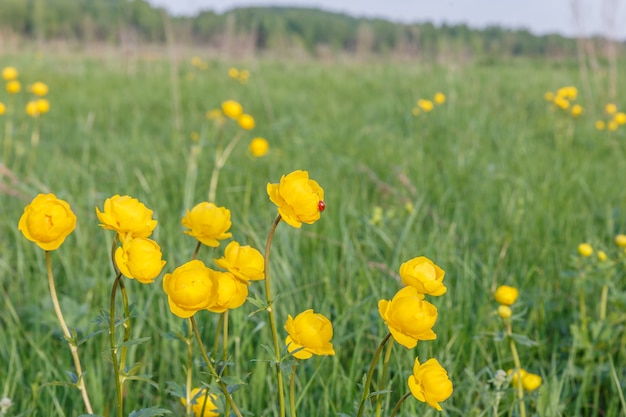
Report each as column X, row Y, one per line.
column 9, row 73
column 568, row 92
column 577, row 110
column 600, row 125
column 13, row 87
column 246, row 122
column 208, row 223
column 531, row 382
column 47, row 221
column 244, row 262
column 232, row 109
column 201, row 399
column 561, row 102
column 299, row 199
column 515, row 375
column 602, row 256
column 259, row 147
column 612, row 126
column 620, row 118
column 440, row 98
column 243, row 76
column 39, row 89
column 430, row 383
column 424, row 275
column 3, row 108
column 190, row 288
column 309, row 334
column 506, row 295
column 425, row 105
column 620, row 240
column 231, row 292
column 504, row 312
column 409, row 317
column 233, row 72
column 548, row 96
column 139, row 258
column 126, row 216
column 585, row 249
column 31, row 109
column 43, row 106
column 610, row 108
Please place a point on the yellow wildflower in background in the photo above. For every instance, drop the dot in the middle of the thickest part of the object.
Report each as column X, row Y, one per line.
column 244, row 262
column 561, row 102
column 39, row 89
column 244, row 75
column 548, row 96
column 600, row 125
column 208, row 223
column 422, row 274
column 233, row 72
column 202, row 400
column 610, row 108
column 620, row 240
column 309, row 334
column 577, row 110
column 416, row 111
column 126, row 216
column 3, row 108
column 585, row 249
column 31, row 109
column 9, row 73
column 232, row 109
column 506, row 295
column 620, row 118
column 43, row 105
column 430, row 383
column 425, row 105
column 47, row 221
column 139, row 258
column 190, row 288
column 259, row 147
column 530, row 381
column 602, row 256
column 504, row 311
column 13, row 87
column 246, row 122
column 612, row 126
column 440, row 98
column 299, row 199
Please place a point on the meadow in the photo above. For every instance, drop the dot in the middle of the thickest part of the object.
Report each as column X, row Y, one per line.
column 495, row 185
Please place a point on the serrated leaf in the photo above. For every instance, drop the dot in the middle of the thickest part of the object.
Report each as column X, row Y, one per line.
column 89, row 336
column 523, row 340
column 233, row 381
column 144, row 378
column 134, row 342
column 149, row 412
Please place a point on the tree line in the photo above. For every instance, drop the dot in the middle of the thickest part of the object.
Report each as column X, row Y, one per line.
column 267, row 29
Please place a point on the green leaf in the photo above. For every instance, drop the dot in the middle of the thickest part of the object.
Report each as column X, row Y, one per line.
column 134, row 342
column 89, row 336
column 149, row 412
column 523, row 340
column 144, row 378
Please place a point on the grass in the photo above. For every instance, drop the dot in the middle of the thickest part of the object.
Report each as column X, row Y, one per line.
column 503, row 191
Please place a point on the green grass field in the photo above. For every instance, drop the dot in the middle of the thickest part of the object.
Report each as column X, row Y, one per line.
column 503, row 190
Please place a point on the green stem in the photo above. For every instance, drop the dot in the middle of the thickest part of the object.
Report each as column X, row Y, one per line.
column 80, row 383
column 292, row 391
column 205, row 356
column 126, row 324
column 518, row 369
column 603, row 301
column 116, row 363
column 370, row 373
column 196, row 251
column 583, row 310
column 220, row 160
column 382, row 383
column 225, row 352
column 397, row 407
column 270, row 310
column 189, row 341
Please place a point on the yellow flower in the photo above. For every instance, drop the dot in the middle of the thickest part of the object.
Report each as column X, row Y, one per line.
column 309, row 334
column 3, row 108
column 201, row 399
column 531, row 382
column 43, row 105
column 230, row 292
column 600, row 125
column 602, row 256
column 233, row 72
column 504, row 312
column 424, row 275
column 299, row 199
column 9, row 73
column 13, row 87
column 208, row 223
column 243, row 76
column 425, row 105
column 548, row 96
column 196, row 61
column 610, row 108
column 620, row 240
column 620, row 118
column 416, row 111
column 139, row 258
column 190, row 288
column 515, row 375
column 31, row 109
column 39, row 89
column 259, row 147
column 244, row 262
column 577, row 110
column 506, row 295
column 246, row 122
column 612, row 126
column 409, row 317
column 440, row 98
column 47, row 221
column 585, row 249
column 126, row 216
column 430, row 383
column 232, row 109
column 561, row 102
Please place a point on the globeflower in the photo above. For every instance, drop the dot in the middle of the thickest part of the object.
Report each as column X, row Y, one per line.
column 425, row 105
column 299, row 199
column 440, row 98
column 232, row 109
column 202, row 400
column 530, row 382
column 244, row 262
column 585, row 249
column 246, row 122
column 190, row 288
column 231, row 292
column 9, row 73
column 424, row 275
column 126, row 216
column 259, row 147
column 39, row 89
column 620, row 240
column 13, row 87
column 600, row 125
column 233, row 72
column 139, row 258
column 610, row 108
column 31, row 109
column 47, row 221
column 43, row 105
column 3, row 108
column 309, row 334
column 506, row 295
column 409, row 317
column 430, row 383
column 577, row 110
column 620, row 118
column 208, row 223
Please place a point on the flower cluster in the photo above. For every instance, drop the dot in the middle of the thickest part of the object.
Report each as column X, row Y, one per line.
column 35, row 107
column 614, row 118
column 563, row 99
column 241, row 75
column 426, row 105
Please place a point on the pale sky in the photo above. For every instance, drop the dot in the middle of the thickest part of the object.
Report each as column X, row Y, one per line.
column 606, row 17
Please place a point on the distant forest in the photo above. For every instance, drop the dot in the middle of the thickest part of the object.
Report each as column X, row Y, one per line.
column 260, row 30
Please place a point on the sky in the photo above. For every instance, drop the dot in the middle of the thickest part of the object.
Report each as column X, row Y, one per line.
column 604, row 17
